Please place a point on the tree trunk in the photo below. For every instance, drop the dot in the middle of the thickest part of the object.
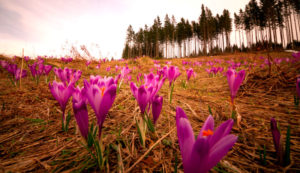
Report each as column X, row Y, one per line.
column 281, row 36
column 223, row 41
column 166, row 48
column 292, row 32
column 295, row 25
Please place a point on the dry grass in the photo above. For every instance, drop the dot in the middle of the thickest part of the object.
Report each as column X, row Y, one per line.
column 31, row 139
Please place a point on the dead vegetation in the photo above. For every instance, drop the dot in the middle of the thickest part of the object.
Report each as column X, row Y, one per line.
column 31, row 139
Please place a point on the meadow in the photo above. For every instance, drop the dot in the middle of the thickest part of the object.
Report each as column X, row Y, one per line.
column 32, row 138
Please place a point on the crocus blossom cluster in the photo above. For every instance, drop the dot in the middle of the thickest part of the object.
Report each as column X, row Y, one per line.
column 146, row 95
column 214, row 70
column 14, row 70
column 67, row 76
column 66, row 60
column 125, row 74
column 201, row 154
column 235, row 80
column 38, row 68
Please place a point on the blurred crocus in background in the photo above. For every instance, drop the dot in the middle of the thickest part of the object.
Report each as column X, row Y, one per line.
column 26, row 58
column 87, row 63
column 201, row 154
column 234, row 81
column 100, row 93
column 172, row 73
column 20, row 74
column 33, row 69
column 190, row 72
column 47, row 69
column 67, row 76
column 80, row 111
column 108, row 68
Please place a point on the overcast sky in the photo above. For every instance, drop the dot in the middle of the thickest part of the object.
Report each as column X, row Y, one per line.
column 43, row 26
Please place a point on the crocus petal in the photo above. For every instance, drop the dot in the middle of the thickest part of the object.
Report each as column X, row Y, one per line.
column 230, row 78
column 223, row 130
column 198, row 157
column 133, row 89
column 238, row 81
column 81, row 112
column 186, row 138
column 220, row 149
column 142, row 98
column 208, row 125
column 156, row 107
column 276, row 135
column 107, row 101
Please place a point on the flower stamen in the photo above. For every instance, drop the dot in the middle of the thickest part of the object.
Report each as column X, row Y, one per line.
column 102, row 91
column 207, row 132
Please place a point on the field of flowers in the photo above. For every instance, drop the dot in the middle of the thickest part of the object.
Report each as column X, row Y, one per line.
column 228, row 113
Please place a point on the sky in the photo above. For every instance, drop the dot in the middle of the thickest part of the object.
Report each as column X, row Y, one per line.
column 50, row 27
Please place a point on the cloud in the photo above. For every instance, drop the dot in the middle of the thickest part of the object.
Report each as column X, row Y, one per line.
column 11, row 23
column 46, row 25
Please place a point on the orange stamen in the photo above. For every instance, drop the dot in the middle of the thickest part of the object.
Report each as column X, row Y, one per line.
column 102, row 91
column 207, row 132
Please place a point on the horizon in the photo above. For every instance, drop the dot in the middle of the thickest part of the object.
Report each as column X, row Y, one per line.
column 52, row 27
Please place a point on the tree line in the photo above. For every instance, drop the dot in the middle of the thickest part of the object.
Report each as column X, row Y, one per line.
column 265, row 24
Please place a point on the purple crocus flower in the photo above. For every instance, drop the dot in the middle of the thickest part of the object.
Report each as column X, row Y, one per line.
column 172, row 73
column 189, row 73
column 47, row 69
column 88, row 63
column 298, row 86
column 11, row 68
column 125, row 71
column 40, row 69
column 145, row 93
column 234, row 81
column 156, row 107
column 201, row 154
column 18, row 74
column 4, row 64
column 101, row 96
column 61, row 93
column 33, row 69
column 276, row 138
column 67, row 75
column 26, row 58
column 81, row 112
column 142, row 95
